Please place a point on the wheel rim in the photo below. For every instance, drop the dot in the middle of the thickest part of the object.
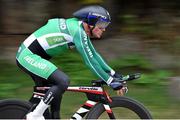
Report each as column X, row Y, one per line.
column 13, row 112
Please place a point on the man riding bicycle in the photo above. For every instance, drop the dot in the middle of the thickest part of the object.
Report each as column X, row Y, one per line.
column 54, row 38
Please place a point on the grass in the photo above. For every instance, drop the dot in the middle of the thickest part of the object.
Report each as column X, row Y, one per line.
column 151, row 89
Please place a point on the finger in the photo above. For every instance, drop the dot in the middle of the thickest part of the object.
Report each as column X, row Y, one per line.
column 120, row 92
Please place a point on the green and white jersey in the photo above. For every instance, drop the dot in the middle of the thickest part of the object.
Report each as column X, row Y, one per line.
column 59, row 35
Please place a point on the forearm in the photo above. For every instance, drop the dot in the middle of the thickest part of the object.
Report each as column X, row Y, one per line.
column 103, row 64
column 97, row 69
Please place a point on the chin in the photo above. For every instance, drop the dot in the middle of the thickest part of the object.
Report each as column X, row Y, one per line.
column 95, row 36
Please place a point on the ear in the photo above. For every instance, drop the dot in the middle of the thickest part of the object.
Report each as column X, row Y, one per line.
column 86, row 28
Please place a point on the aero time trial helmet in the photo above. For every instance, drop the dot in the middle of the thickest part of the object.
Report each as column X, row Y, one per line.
column 94, row 15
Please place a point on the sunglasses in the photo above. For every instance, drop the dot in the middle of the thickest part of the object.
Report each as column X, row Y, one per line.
column 101, row 22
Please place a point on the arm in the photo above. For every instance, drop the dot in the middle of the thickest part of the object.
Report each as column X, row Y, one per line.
column 100, row 60
column 81, row 43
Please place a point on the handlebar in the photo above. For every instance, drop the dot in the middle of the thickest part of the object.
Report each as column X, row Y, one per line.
column 125, row 78
column 131, row 77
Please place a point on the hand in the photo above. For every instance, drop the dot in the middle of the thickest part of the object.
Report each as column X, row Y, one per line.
column 116, row 84
column 122, row 91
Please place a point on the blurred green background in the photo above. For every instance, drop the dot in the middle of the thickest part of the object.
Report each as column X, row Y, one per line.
column 143, row 37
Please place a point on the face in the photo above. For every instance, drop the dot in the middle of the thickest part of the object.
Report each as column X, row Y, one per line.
column 97, row 32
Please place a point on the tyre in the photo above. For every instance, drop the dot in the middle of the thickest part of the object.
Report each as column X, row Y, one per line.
column 122, row 107
column 13, row 109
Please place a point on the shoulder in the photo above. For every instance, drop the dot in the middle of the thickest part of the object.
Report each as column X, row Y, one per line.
column 74, row 22
column 74, row 25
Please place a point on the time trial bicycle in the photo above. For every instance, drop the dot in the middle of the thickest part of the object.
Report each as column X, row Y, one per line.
column 99, row 104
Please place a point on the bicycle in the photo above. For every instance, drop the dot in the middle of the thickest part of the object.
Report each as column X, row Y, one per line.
column 99, row 103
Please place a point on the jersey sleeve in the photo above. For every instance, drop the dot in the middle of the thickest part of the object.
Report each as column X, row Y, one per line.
column 82, row 46
column 100, row 60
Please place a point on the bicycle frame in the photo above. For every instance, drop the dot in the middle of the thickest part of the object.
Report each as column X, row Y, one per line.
column 95, row 95
column 98, row 102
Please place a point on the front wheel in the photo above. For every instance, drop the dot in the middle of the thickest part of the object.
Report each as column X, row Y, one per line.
column 122, row 108
column 14, row 109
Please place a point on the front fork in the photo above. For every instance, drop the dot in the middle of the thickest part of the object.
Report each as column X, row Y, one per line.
column 83, row 110
column 107, row 107
column 93, row 100
column 109, row 111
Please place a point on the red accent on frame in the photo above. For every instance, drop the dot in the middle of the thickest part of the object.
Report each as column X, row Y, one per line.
column 87, row 104
column 42, row 88
column 109, row 111
column 108, row 97
column 40, row 94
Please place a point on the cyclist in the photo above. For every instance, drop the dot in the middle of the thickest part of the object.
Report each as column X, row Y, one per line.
column 54, row 38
